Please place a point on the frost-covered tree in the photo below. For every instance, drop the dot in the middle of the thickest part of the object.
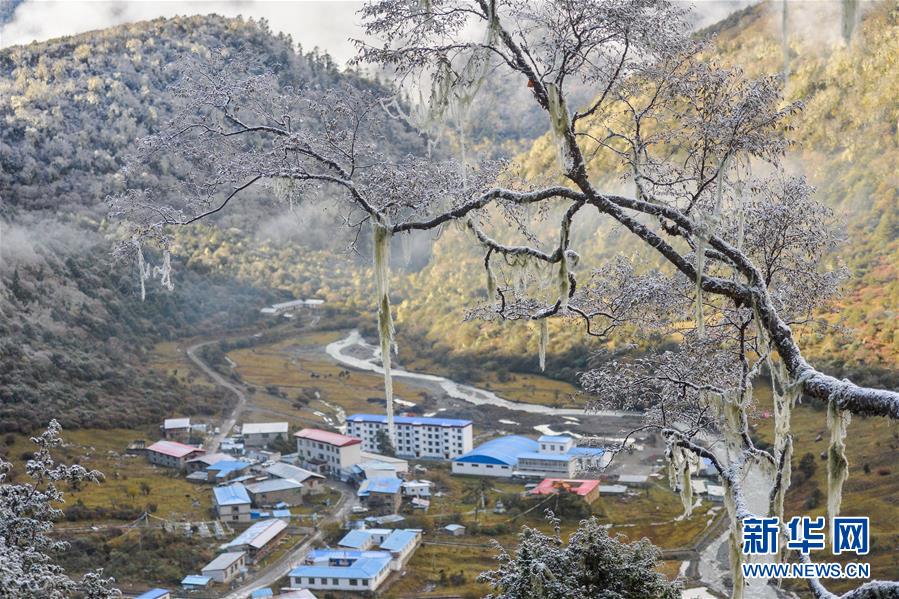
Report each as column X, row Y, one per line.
column 27, row 512
column 735, row 250
column 591, row 565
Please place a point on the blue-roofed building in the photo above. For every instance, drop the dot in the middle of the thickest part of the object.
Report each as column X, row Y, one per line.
column 276, row 491
column 359, row 538
column 382, row 495
column 193, row 582
column 232, row 503
column 226, row 470
column 155, row 594
column 401, row 543
column 497, row 457
column 260, row 593
column 416, row 436
column 337, row 570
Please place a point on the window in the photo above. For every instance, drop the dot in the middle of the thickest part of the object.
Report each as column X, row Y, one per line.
column 352, row 582
column 334, row 581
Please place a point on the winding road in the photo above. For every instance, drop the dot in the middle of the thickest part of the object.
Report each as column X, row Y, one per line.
column 221, row 381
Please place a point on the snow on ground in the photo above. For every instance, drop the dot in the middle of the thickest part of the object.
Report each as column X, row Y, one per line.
column 544, row 429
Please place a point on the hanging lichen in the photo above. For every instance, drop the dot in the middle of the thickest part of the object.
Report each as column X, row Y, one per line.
column 491, row 284
column 784, row 39
column 559, row 122
column 837, row 464
column 850, row 19
column 686, row 488
column 543, row 341
column 381, row 236
column 735, row 542
column 143, row 270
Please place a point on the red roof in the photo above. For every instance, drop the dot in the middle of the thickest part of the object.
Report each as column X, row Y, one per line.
column 553, row 485
column 337, row 439
column 174, row 449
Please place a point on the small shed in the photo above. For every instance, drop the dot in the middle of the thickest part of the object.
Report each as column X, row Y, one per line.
column 194, row 582
column 456, row 530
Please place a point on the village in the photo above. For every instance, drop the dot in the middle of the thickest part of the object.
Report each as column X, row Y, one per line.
column 364, row 489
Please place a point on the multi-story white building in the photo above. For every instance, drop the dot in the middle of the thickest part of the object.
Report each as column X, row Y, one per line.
column 328, row 453
column 416, row 437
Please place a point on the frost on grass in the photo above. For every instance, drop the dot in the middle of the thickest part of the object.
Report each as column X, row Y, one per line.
column 381, row 255
column 837, row 464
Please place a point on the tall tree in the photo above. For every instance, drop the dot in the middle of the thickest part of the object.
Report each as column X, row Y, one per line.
column 736, row 256
column 27, row 512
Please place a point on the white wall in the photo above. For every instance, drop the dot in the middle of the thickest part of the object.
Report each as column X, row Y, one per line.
column 482, row 469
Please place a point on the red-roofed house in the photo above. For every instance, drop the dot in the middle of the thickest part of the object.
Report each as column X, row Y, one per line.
column 588, row 489
column 328, row 453
column 172, row 454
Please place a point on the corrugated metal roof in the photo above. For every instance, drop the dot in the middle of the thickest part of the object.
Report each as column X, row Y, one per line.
column 503, row 450
column 255, row 428
column 328, row 437
column 586, row 451
column 379, row 485
column 266, row 592
column 412, row 420
column 196, row 580
column 282, row 470
column 174, row 449
column 356, row 539
column 231, row 495
column 258, row 535
column 211, row 458
column 173, row 423
column 365, row 567
column 275, row 484
column 153, row 594
column 549, row 486
column 222, row 561
column 226, row 467
column 399, row 539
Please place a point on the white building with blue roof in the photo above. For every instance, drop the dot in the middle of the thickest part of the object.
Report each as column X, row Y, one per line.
column 337, row 570
column 549, row 456
column 416, row 436
column 498, row 457
column 232, row 503
column 401, row 543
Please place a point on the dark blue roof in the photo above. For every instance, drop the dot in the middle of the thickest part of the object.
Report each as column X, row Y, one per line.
column 503, row 450
column 153, row 594
column 422, row 420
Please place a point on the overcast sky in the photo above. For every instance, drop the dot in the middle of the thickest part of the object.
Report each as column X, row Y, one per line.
column 326, row 24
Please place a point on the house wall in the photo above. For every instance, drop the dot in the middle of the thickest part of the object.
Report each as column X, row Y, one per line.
column 548, row 468
column 339, row 460
column 288, row 496
column 167, row 461
column 234, row 513
column 498, row 470
column 228, row 574
column 340, row 584
column 261, row 439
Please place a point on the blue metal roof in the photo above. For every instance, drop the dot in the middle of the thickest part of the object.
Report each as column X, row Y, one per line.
column 153, row 594
column 356, row 539
column 380, row 485
column 231, row 495
column 503, row 450
column 364, row 567
column 274, row 484
column 257, row 529
column 266, row 592
column 342, row 554
column 551, row 457
column 281, row 513
column 196, row 580
column 554, row 439
column 399, row 539
column 226, row 467
column 421, row 420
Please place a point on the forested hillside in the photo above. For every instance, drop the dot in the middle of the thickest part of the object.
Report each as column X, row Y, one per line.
column 70, row 110
column 845, row 142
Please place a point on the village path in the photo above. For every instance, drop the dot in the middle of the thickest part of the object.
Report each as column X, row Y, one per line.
column 221, row 381
column 269, row 575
